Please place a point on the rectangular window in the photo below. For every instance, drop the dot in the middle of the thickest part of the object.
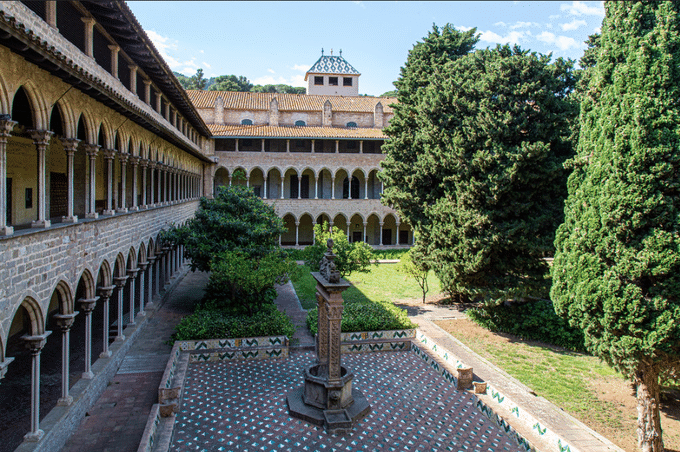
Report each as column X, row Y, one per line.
column 333, row 81
column 347, row 81
column 318, row 80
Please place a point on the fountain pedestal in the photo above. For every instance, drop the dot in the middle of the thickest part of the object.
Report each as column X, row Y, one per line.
column 327, row 398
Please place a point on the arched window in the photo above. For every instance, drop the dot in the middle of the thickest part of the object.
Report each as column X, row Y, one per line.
column 300, row 123
column 246, row 122
column 352, row 125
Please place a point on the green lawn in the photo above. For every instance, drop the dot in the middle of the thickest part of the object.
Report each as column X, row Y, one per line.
column 383, row 283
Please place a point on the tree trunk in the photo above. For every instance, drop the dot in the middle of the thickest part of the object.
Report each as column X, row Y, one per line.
column 649, row 433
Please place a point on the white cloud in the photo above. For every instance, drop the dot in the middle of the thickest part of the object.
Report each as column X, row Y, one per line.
column 163, row 44
column 500, row 24
column 573, row 25
column 359, row 3
column 271, row 71
column 597, row 29
column 513, row 37
column 206, row 65
column 562, row 42
column 462, row 27
column 523, row 25
column 548, row 26
column 579, row 8
column 300, row 67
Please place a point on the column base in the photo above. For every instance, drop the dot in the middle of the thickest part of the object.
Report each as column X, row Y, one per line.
column 6, row 230
column 41, row 224
column 149, row 305
column 109, row 212
column 92, row 215
column 142, row 313
column 65, row 401
column 106, row 354
column 131, row 323
column 134, row 209
column 90, row 375
column 122, row 210
column 145, row 206
column 34, row 437
column 73, row 219
column 120, row 338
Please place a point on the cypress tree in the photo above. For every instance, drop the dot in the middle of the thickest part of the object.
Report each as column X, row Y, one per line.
column 616, row 273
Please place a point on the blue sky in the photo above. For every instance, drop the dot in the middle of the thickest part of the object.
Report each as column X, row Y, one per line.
column 277, row 42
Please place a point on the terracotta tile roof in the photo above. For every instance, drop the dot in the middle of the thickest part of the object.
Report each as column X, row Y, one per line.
column 294, row 132
column 288, row 102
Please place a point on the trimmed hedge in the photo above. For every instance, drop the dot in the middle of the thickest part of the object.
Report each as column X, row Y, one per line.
column 222, row 324
column 366, row 316
column 534, row 320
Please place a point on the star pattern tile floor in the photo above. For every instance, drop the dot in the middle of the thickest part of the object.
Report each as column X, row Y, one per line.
column 241, row 406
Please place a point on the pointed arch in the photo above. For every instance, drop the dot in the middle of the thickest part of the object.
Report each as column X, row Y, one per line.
column 35, row 314
column 88, row 284
column 5, row 104
column 105, row 274
column 65, row 296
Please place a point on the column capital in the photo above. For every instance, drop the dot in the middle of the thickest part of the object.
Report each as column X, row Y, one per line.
column 88, row 20
column 134, row 160
column 6, row 125
column 65, row 321
column 151, row 164
column 114, row 47
column 133, row 67
column 143, row 162
column 92, row 149
column 132, row 273
column 70, row 144
column 142, row 265
column 120, row 281
column 41, row 137
column 106, row 291
column 109, row 154
column 123, row 157
column 151, row 259
column 88, row 304
column 36, row 343
column 147, row 82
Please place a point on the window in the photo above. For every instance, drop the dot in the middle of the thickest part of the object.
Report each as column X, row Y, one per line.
column 246, row 122
column 318, row 80
column 352, row 124
column 300, row 123
column 347, row 81
column 333, row 81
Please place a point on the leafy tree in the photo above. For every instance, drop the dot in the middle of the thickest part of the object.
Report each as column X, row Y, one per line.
column 236, row 220
column 392, row 93
column 476, row 168
column 416, row 265
column 231, row 83
column 278, row 89
column 616, row 273
column 350, row 257
column 197, row 81
column 183, row 80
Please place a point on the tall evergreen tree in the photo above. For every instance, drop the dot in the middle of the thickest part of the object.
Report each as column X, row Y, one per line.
column 616, row 273
column 482, row 178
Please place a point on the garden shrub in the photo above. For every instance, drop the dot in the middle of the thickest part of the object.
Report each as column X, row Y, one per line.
column 535, row 320
column 225, row 324
column 366, row 316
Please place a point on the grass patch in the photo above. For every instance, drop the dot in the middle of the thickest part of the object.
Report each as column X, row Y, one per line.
column 385, row 282
column 389, row 254
column 366, row 316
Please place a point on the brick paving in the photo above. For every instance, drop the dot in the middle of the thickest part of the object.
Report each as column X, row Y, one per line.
column 241, row 406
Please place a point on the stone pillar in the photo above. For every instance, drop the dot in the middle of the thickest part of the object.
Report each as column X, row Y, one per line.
column 337, row 146
column 265, row 187
column 287, row 145
column 120, row 284
column 157, row 279
column 65, row 321
column 396, row 235
column 152, row 198
column 132, row 274
column 161, row 171
column 166, row 199
column 88, row 305
column 313, row 146
column 147, row 91
column 380, row 233
column 144, row 163
column 133, row 78
column 89, row 35
column 297, row 233
column 41, row 139
column 236, row 145
column 51, row 13
column 92, row 150
column 134, row 161
column 283, row 178
column 300, row 186
column 366, row 188
column 150, row 282
column 70, row 145
column 349, row 186
column 247, row 181
column 316, row 187
column 262, row 150
column 158, row 103
column 6, row 126
column 230, row 178
column 104, row 295
column 142, row 290
column 361, row 146
column 364, row 236
column 332, row 187
column 35, row 344
column 349, row 230
column 114, row 59
column 109, row 155
column 123, row 157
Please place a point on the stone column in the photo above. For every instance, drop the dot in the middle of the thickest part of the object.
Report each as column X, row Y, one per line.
column 349, row 187
column 287, row 145
column 109, row 155
column 70, row 145
column 316, row 187
column 297, row 233
column 89, row 38
column 396, row 235
column 133, row 78
column 265, row 187
column 366, row 188
column 332, row 187
column 51, row 13
column 166, row 191
column 147, row 91
column 142, row 290
column 88, row 305
column 236, row 145
column 247, row 181
column 41, row 139
column 300, row 186
column 262, row 150
column 104, row 295
column 150, row 282
column 132, row 274
column 92, row 150
column 230, row 180
column 134, row 161
column 337, row 146
column 6, row 126
column 364, row 236
column 159, row 176
column 35, row 344
column 157, row 279
column 120, row 284
column 65, row 321
column 361, row 146
column 313, row 146
column 152, row 198
column 283, row 178
column 349, row 230
column 114, row 59
column 123, row 157
column 144, row 163
column 380, row 233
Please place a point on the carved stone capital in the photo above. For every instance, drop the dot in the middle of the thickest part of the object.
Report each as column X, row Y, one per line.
column 143, row 162
column 105, row 292
column 41, row 137
column 65, row 321
column 132, row 273
column 88, row 304
column 70, row 144
column 120, row 281
column 92, row 150
column 134, row 160
column 6, row 126
column 123, row 157
column 109, row 154
column 36, row 343
column 143, row 265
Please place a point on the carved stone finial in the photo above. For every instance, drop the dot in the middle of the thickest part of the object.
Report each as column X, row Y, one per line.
column 327, row 265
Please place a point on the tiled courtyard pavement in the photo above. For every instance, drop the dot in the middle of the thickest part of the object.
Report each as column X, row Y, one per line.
column 241, row 406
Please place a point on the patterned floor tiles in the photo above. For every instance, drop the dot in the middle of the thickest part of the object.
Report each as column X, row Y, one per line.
column 241, row 406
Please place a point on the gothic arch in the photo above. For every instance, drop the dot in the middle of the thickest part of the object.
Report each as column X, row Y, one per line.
column 37, row 104
column 89, row 283
column 64, row 297
column 105, row 274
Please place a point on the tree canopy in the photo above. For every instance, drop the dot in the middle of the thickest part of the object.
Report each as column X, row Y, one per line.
column 474, row 163
column 616, row 273
column 232, row 83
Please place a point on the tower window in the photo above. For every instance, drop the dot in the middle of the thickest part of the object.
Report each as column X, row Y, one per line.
column 246, row 122
column 333, row 81
column 318, row 80
column 347, row 81
column 352, row 125
column 300, row 123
